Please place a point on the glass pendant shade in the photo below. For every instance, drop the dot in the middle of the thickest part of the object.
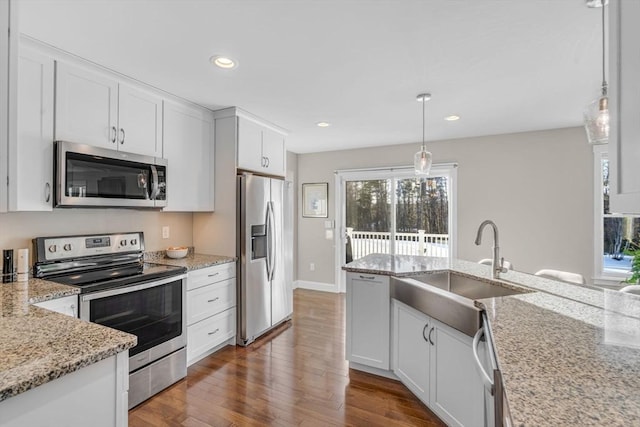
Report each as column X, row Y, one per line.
column 596, row 121
column 422, row 162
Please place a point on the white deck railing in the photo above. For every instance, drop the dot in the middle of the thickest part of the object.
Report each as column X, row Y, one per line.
column 368, row 242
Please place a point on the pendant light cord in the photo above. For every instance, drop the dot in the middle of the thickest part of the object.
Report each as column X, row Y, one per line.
column 424, row 101
column 604, row 80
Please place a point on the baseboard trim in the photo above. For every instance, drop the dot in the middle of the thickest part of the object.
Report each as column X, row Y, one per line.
column 316, row 286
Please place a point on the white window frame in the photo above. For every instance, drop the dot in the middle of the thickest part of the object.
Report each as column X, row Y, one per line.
column 450, row 170
column 600, row 276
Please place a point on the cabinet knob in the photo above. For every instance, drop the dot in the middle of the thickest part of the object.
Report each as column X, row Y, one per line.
column 267, row 160
column 424, row 330
column 123, row 135
column 114, row 134
column 430, row 335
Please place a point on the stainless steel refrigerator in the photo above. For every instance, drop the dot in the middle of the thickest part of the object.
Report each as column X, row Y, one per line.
column 265, row 295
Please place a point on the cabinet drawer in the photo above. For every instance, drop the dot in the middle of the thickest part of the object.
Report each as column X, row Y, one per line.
column 206, row 276
column 209, row 300
column 208, row 333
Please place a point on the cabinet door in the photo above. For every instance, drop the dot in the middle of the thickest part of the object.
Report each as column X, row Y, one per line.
column 31, row 165
column 250, row 146
column 273, row 152
column 188, row 147
column 139, row 121
column 457, row 394
column 86, row 107
column 624, row 106
column 368, row 320
column 65, row 305
column 411, row 349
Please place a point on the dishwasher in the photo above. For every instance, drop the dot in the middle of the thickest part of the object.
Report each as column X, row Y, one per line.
column 496, row 408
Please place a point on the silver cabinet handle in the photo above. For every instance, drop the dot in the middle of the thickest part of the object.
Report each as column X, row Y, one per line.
column 430, row 332
column 123, row 135
column 367, row 277
column 211, row 333
column 486, row 380
column 423, row 331
column 268, row 162
column 141, row 359
column 114, row 133
column 47, row 192
column 214, row 274
column 213, row 300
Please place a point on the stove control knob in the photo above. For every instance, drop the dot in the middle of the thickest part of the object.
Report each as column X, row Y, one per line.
column 67, row 247
column 53, row 248
column 134, row 242
column 123, row 242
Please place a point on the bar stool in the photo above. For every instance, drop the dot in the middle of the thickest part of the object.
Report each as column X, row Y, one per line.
column 563, row 276
column 487, row 261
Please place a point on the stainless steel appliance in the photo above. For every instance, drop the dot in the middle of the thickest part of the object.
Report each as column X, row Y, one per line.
column 119, row 290
column 88, row 176
column 265, row 296
column 496, row 405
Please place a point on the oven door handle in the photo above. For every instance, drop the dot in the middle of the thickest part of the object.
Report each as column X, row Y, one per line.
column 129, row 289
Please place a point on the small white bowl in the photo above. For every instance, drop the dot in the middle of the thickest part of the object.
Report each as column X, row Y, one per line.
column 177, row 252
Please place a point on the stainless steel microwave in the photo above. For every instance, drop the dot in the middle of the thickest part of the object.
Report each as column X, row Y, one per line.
column 88, row 176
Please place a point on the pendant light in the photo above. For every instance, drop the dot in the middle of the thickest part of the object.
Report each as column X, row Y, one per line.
column 423, row 159
column 596, row 115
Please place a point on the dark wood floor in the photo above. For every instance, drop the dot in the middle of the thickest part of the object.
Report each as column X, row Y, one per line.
column 295, row 376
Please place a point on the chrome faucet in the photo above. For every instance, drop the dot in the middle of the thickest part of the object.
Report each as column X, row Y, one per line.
column 497, row 263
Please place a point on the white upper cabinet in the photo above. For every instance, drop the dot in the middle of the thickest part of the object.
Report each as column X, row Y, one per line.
column 260, row 149
column 189, row 149
column 86, row 107
column 31, row 163
column 249, row 145
column 139, row 121
column 96, row 109
column 273, row 152
column 624, row 105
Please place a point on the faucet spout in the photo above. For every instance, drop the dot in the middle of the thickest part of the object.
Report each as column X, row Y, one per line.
column 497, row 263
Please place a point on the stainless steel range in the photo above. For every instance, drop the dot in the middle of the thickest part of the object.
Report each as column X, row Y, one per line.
column 120, row 291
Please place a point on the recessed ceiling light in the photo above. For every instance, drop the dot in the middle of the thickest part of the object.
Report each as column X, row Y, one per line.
column 223, row 62
column 452, row 118
column 323, row 124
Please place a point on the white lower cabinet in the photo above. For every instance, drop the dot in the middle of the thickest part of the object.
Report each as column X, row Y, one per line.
column 211, row 310
column 367, row 339
column 435, row 361
column 97, row 392
column 65, row 305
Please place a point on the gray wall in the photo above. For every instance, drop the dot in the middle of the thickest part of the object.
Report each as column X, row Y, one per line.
column 536, row 186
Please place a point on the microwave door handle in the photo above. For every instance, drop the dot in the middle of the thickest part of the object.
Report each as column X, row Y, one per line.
column 155, row 188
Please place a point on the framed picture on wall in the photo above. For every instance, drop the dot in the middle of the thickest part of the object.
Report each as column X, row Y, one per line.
column 314, row 200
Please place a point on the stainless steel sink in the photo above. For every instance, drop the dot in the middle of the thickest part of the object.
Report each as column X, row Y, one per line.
column 448, row 297
column 465, row 286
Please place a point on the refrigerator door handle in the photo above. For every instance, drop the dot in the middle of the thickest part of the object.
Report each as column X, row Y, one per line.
column 271, row 261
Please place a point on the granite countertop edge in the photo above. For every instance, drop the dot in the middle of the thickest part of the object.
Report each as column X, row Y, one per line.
column 191, row 262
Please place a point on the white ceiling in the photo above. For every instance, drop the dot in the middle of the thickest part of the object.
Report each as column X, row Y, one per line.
column 502, row 65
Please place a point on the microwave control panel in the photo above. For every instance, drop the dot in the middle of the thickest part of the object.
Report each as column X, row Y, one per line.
column 58, row 248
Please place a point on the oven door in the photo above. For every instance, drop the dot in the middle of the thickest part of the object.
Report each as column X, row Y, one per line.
column 88, row 176
column 153, row 311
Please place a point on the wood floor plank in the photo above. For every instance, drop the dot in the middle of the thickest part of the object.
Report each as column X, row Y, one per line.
column 296, row 376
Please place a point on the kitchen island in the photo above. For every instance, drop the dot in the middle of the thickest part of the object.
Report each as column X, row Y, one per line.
column 56, row 369
column 569, row 354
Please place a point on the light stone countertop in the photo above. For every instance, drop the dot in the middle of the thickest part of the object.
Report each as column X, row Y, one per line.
column 569, row 354
column 191, row 261
column 39, row 345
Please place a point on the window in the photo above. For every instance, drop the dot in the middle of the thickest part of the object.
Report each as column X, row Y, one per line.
column 393, row 211
column 616, row 236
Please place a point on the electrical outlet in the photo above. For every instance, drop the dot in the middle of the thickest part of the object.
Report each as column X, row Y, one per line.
column 165, row 232
column 312, row 266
